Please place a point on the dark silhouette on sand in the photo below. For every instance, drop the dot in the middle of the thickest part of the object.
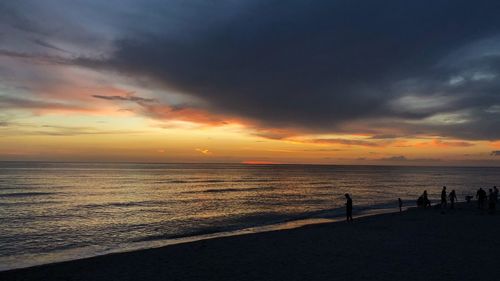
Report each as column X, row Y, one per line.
column 481, row 197
column 495, row 193
column 453, row 197
column 423, row 200
column 348, row 208
column 400, row 203
column 444, row 201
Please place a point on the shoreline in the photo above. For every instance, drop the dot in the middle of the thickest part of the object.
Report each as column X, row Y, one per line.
column 77, row 254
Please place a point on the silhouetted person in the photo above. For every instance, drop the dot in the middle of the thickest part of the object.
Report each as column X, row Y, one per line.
column 423, row 200
column 495, row 192
column 420, row 201
column 444, row 201
column 348, row 207
column 427, row 202
column 453, row 197
column 400, row 202
column 481, row 197
column 491, row 202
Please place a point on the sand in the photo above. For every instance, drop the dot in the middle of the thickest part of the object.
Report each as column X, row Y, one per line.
column 418, row 244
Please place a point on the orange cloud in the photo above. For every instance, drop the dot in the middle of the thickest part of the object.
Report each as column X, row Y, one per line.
column 66, row 99
column 348, row 142
column 440, row 143
column 345, row 141
column 160, row 111
column 155, row 109
column 274, row 133
column 495, row 144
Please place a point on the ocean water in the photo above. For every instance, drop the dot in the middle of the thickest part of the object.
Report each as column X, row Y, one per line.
column 58, row 211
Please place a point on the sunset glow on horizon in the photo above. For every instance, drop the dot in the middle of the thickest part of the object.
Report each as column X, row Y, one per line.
column 202, row 82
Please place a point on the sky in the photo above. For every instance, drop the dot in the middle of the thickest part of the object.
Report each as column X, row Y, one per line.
column 250, row 81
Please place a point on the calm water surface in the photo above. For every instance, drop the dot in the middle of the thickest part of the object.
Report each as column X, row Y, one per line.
column 56, row 211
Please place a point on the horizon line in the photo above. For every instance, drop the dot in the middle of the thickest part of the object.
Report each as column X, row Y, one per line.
column 247, row 164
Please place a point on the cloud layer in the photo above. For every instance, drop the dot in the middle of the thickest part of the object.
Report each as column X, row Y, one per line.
column 393, row 68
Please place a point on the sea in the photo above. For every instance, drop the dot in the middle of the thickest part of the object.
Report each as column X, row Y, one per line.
column 51, row 212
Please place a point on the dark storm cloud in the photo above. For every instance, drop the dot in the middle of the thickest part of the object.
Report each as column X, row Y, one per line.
column 391, row 68
column 320, row 64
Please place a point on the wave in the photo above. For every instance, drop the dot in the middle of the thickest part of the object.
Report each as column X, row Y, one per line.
column 324, row 186
column 20, row 186
column 172, row 181
column 320, row 183
column 254, row 180
column 241, row 223
column 124, row 204
column 26, row 194
column 190, row 181
column 16, row 204
column 239, row 189
column 224, row 190
column 198, row 232
column 208, row 181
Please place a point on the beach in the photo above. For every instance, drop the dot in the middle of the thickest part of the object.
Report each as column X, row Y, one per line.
column 417, row 244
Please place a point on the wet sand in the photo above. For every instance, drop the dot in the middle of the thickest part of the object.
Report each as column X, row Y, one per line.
column 418, row 244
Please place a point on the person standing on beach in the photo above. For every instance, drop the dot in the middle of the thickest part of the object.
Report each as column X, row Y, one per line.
column 443, row 198
column 348, row 207
column 400, row 202
column 495, row 192
column 453, row 197
column 481, row 197
column 425, row 197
